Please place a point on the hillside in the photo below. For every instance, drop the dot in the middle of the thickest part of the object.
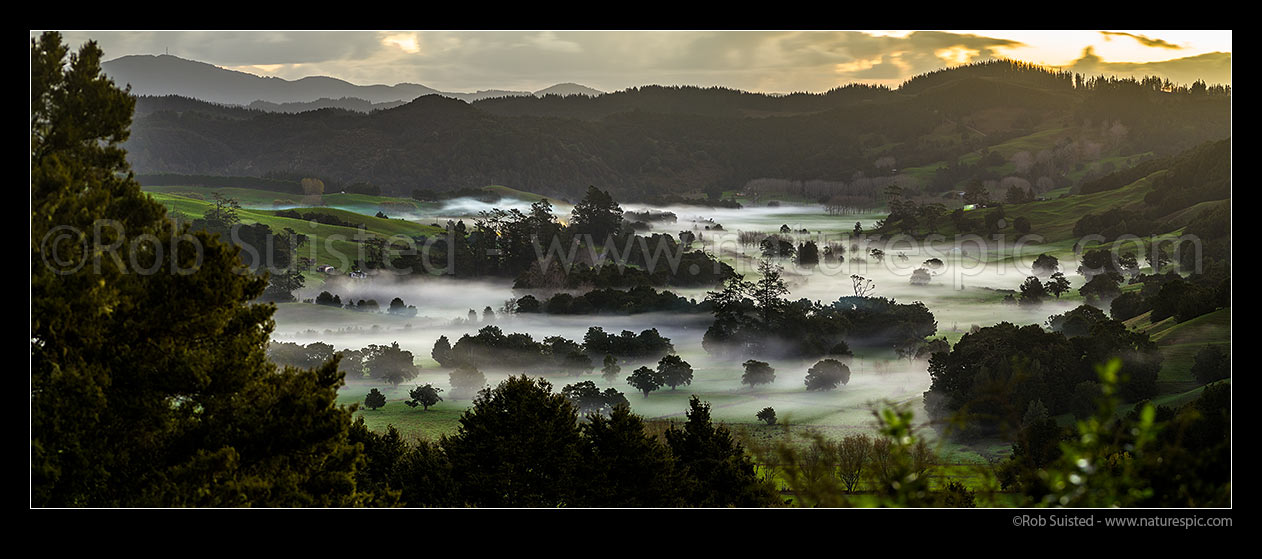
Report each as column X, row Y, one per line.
column 1158, row 196
column 648, row 141
column 1179, row 342
column 327, row 244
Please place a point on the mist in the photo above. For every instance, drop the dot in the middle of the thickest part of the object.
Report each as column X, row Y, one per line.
column 966, row 291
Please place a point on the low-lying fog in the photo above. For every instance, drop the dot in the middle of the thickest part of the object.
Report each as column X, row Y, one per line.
column 962, row 293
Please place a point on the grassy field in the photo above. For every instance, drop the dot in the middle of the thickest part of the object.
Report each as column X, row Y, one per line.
column 518, row 194
column 1179, row 342
column 327, row 244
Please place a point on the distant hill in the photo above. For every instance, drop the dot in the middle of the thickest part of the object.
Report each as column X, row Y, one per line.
column 567, row 89
column 346, row 103
column 164, row 75
column 944, row 132
column 171, row 75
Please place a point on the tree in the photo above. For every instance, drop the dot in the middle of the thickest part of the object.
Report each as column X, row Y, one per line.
column 767, row 415
column 281, row 287
column 466, row 381
column 862, row 286
column 920, row 276
column 622, row 465
column 758, row 372
column 717, row 470
column 442, row 352
column 768, row 292
column 1032, row 291
column 517, row 446
column 1045, row 264
column 150, row 385
column 611, row 369
column 398, row 307
column 645, row 380
column 852, row 455
column 222, row 216
column 424, row 396
column 375, row 399
column 1127, row 306
column 674, row 371
column 1057, row 285
column 585, row 397
column 1211, row 364
column 598, row 215
column 808, row 254
column 391, row 364
column 827, row 374
column 1102, row 288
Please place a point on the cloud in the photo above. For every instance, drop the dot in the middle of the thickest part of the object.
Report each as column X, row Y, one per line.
column 238, row 48
column 548, row 40
column 773, row 61
column 1146, row 41
column 1212, row 68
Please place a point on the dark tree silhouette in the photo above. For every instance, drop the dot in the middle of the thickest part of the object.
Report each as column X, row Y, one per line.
column 827, row 374
column 375, row 399
column 424, row 396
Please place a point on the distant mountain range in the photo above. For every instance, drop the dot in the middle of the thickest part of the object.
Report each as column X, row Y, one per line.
column 160, row 75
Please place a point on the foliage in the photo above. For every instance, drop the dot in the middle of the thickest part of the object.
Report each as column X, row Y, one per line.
column 766, row 415
column 1057, row 285
column 466, row 381
column 717, row 470
column 491, row 348
column 1045, row 264
column 988, row 380
column 1032, row 291
column 518, row 445
column 758, row 372
column 646, row 345
column 1211, row 364
column 598, row 215
column 646, row 380
column 827, row 374
column 588, row 399
column 424, row 396
column 674, row 371
column 390, row 364
column 442, row 352
column 611, row 369
column 621, row 465
column 153, row 389
column 375, row 399
column 1141, row 460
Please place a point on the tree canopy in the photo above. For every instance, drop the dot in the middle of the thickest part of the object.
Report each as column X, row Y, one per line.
column 150, row 384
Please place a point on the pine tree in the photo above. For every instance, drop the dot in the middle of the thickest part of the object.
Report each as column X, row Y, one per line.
column 150, row 384
column 716, row 469
column 517, row 446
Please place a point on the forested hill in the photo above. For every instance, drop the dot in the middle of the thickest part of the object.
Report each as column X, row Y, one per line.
column 647, row 141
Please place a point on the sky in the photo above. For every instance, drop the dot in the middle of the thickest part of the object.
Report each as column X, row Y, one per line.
column 771, row 61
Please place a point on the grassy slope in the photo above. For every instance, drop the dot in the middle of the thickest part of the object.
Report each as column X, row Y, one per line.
column 1054, row 220
column 518, row 194
column 327, row 244
column 1179, row 342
